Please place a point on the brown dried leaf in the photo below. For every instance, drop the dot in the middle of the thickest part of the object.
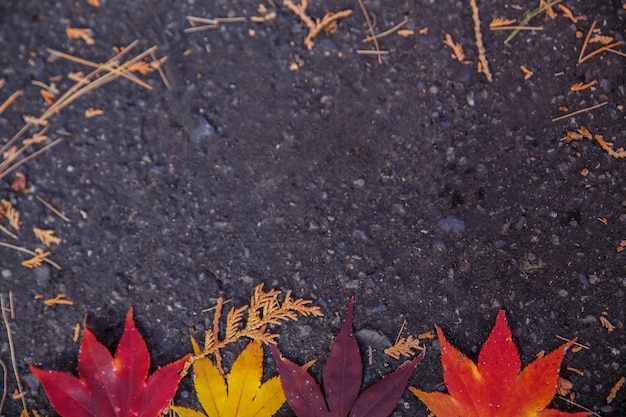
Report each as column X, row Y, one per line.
column 19, row 183
column 46, row 236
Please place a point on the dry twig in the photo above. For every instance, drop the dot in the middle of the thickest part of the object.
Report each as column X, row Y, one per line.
column 483, row 65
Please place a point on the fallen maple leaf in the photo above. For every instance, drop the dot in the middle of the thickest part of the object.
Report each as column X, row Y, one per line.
column 342, row 378
column 243, row 395
column 496, row 386
column 110, row 386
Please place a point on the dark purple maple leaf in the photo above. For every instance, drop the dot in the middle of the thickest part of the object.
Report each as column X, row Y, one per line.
column 112, row 386
column 342, row 377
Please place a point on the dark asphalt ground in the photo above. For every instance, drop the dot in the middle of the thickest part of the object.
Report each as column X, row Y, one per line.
column 417, row 186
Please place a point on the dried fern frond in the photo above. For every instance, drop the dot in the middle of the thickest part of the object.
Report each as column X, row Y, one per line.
column 11, row 214
column 36, row 260
column 264, row 309
column 404, row 347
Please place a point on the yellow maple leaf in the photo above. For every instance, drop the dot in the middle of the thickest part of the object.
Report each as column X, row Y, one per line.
column 243, row 395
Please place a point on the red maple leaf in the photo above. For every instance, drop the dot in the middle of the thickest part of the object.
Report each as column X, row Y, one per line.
column 110, row 386
column 342, row 377
column 496, row 386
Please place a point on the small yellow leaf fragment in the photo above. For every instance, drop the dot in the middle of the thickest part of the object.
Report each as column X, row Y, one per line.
column 92, row 112
column 405, row 33
column 36, row 260
column 576, row 348
column 94, row 3
column 527, row 73
column 59, row 299
column 549, row 10
column 47, row 237
column 85, row 34
column 426, row 335
column 499, row 21
column 615, row 388
column 621, row 246
column 606, row 324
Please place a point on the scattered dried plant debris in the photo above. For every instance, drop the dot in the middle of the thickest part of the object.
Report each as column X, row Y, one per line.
column 404, row 346
column 621, row 246
column 581, row 86
column 112, row 385
column 457, row 49
column 315, row 27
column 91, row 112
column 586, row 109
column 613, row 392
column 10, row 213
column 84, row 34
column 606, row 324
column 342, row 378
column 564, row 386
column 264, row 310
column 38, row 258
column 496, row 381
column 7, row 103
column 19, row 183
column 592, row 31
column 527, row 73
column 60, row 299
column 543, row 6
column 46, row 236
column 483, row 64
column 239, row 394
column 569, row 15
column 548, row 8
column 500, row 21
column 53, row 209
column 583, row 133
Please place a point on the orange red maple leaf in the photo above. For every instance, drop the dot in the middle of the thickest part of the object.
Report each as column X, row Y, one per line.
column 496, row 385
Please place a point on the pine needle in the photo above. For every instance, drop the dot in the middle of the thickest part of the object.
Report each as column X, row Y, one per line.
column 526, row 19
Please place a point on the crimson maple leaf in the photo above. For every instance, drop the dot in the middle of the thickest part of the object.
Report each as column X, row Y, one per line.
column 496, row 386
column 342, row 377
column 112, row 386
